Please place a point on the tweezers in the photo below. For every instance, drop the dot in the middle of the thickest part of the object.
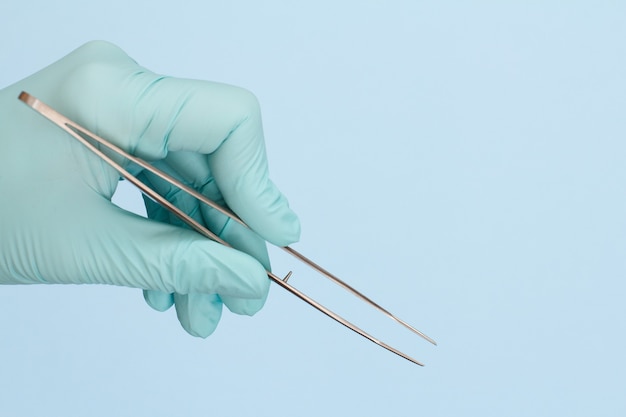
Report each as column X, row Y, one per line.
column 91, row 141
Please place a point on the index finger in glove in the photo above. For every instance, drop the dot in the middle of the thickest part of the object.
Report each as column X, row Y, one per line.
column 150, row 115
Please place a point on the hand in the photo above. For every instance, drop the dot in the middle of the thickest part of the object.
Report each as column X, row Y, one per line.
column 57, row 224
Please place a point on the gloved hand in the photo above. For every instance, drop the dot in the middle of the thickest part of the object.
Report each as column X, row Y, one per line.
column 57, row 224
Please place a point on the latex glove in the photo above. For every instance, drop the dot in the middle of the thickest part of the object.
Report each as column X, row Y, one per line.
column 57, row 224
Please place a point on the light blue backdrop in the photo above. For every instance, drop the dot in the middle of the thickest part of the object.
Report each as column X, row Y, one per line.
column 461, row 162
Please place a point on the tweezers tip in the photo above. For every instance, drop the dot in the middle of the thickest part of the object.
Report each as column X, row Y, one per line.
column 414, row 330
column 417, row 362
column 428, row 339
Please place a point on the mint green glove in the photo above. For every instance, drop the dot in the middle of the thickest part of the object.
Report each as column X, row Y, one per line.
column 57, row 224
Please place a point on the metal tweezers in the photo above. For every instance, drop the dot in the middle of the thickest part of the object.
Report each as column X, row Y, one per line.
column 91, row 141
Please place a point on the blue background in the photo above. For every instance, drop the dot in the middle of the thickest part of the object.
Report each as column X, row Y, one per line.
column 460, row 162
